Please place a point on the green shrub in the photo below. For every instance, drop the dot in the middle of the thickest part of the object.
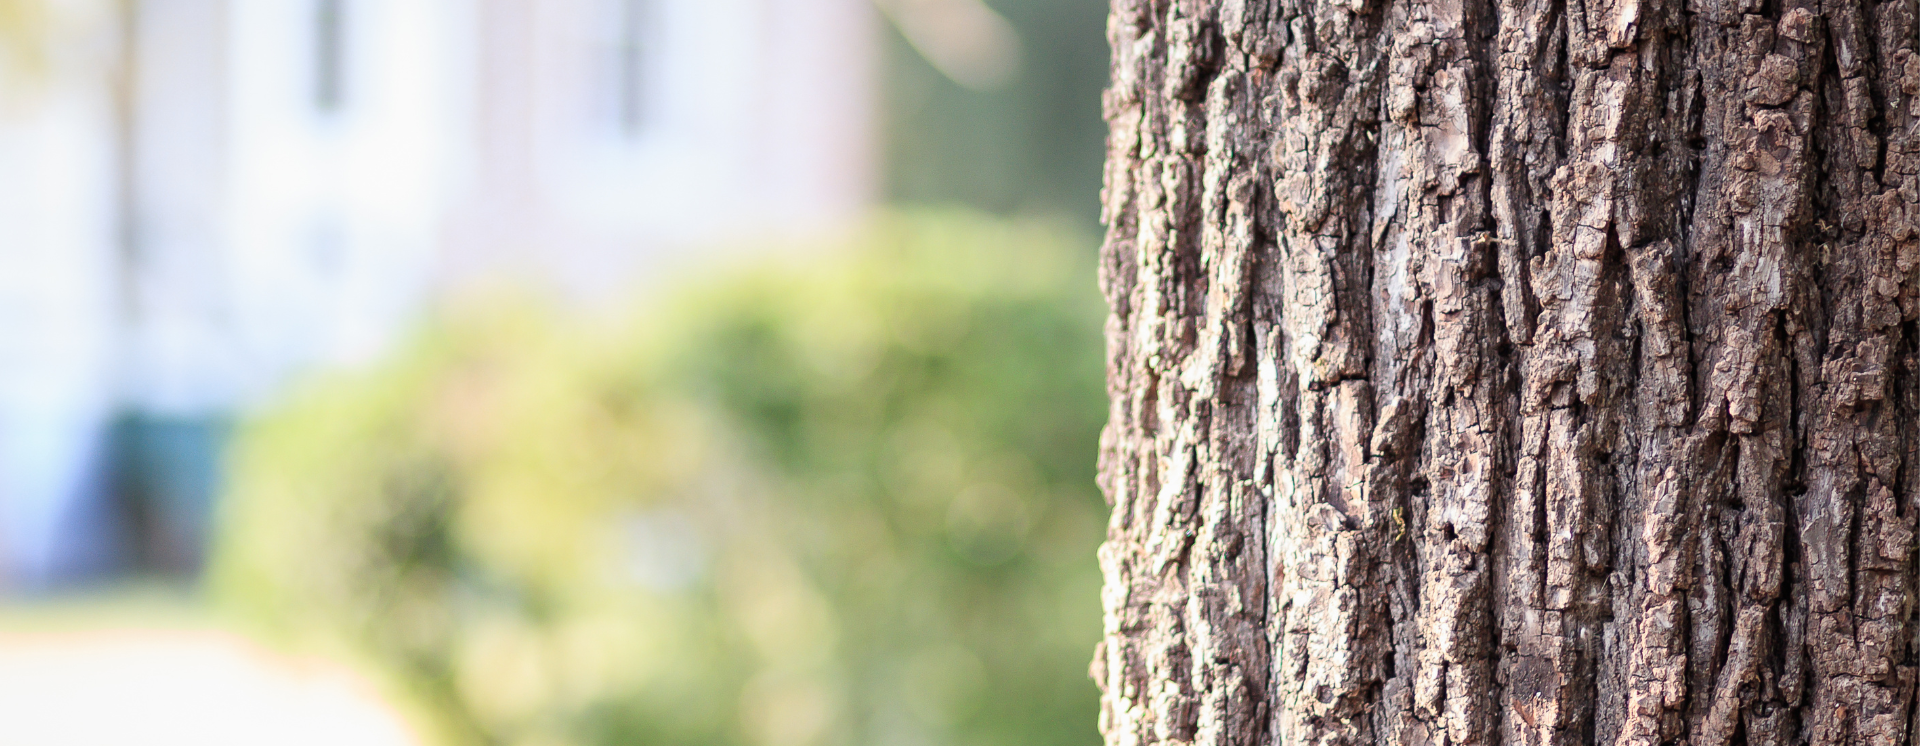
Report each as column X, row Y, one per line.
column 849, row 501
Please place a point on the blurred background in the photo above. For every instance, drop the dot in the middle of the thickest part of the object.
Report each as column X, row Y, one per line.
column 549, row 371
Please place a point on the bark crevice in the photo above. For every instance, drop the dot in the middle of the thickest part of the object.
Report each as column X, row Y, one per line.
column 1512, row 371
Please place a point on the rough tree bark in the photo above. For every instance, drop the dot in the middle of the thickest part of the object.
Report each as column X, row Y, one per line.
column 1512, row 372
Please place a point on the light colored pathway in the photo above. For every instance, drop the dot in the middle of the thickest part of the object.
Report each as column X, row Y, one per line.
column 132, row 687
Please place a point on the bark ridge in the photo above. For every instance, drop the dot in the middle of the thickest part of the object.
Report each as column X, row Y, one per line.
column 1511, row 372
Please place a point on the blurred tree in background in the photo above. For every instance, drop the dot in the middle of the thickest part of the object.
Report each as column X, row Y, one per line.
column 845, row 503
column 1031, row 145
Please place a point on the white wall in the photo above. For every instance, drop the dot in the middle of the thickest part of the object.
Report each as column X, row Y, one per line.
column 757, row 121
column 334, row 216
column 275, row 233
column 57, row 297
column 180, row 357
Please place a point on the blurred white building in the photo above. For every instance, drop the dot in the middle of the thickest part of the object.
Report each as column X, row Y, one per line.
column 610, row 133
column 58, row 315
column 282, row 184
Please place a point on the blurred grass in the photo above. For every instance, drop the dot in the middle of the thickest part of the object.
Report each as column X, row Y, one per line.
column 847, row 500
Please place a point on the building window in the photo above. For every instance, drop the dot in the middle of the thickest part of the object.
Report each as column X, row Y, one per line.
column 329, row 54
column 632, row 65
column 626, row 63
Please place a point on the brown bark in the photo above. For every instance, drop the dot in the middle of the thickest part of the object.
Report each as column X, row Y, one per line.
column 1512, row 372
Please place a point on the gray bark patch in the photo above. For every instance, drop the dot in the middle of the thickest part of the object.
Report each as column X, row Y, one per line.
column 1511, row 372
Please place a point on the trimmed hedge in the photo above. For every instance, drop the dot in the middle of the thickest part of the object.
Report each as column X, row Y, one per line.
column 847, row 500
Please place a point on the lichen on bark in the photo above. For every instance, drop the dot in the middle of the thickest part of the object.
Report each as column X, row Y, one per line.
column 1512, row 372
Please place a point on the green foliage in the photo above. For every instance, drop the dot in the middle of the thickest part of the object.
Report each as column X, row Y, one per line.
column 1034, row 146
column 849, row 502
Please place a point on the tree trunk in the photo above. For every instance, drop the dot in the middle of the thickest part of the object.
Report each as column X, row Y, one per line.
column 1512, row 372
